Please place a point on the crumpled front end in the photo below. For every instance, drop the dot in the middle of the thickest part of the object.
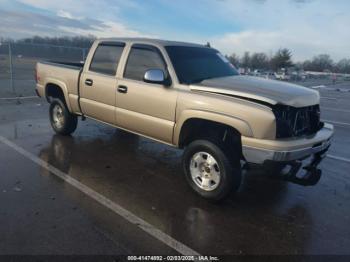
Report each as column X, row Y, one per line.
column 293, row 153
column 297, row 122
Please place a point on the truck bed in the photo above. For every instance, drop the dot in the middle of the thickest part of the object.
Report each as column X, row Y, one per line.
column 79, row 65
column 64, row 74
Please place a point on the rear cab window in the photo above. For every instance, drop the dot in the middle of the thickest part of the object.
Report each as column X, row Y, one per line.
column 142, row 58
column 106, row 58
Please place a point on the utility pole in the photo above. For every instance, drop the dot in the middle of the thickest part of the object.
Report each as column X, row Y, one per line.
column 11, row 71
column 84, row 54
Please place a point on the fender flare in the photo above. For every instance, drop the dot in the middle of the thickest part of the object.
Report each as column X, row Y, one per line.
column 63, row 87
column 239, row 124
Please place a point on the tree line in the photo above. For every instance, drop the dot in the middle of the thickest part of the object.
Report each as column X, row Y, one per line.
column 283, row 59
column 67, row 41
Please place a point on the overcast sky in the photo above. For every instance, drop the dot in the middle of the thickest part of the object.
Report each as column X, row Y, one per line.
column 307, row 27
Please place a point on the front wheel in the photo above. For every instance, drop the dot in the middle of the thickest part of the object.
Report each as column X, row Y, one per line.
column 210, row 171
column 62, row 121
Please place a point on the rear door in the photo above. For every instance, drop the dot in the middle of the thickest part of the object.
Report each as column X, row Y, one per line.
column 98, row 83
column 145, row 108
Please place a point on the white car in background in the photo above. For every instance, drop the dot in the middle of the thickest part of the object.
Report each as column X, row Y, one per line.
column 270, row 75
column 282, row 76
column 257, row 72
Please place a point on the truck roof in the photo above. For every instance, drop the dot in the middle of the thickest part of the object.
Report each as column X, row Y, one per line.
column 150, row 41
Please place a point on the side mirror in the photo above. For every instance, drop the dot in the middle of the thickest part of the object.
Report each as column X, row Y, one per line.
column 156, row 76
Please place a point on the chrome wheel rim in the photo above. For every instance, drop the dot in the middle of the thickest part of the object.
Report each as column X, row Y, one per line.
column 205, row 171
column 57, row 116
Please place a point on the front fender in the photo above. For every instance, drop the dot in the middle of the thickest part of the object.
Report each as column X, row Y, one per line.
column 239, row 124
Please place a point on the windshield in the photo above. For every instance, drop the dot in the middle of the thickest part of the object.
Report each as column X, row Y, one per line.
column 195, row 64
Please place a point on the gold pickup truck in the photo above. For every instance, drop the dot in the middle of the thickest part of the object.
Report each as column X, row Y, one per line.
column 190, row 96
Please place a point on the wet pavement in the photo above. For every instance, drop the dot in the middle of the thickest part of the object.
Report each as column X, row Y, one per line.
column 41, row 214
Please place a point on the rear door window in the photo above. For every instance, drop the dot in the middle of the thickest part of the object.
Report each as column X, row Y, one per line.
column 106, row 58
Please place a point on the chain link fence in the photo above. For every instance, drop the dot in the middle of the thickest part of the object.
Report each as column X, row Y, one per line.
column 18, row 60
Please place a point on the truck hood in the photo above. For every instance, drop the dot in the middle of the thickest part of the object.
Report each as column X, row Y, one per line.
column 255, row 88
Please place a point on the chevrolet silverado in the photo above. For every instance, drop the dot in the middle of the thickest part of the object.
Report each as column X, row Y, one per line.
column 191, row 97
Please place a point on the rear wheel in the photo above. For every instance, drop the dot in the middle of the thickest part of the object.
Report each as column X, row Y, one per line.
column 210, row 170
column 62, row 121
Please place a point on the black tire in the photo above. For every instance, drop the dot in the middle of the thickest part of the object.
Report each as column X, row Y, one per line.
column 69, row 121
column 227, row 162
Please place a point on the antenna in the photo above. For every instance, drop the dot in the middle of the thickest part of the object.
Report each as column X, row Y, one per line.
column 207, row 44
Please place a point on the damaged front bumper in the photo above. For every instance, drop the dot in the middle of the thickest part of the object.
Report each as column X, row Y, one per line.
column 301, row 172
column 291, row 153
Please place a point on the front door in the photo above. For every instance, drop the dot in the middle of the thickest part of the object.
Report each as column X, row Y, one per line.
column 145, row 108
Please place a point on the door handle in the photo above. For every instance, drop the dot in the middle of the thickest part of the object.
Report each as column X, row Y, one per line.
column 122, row 89
column 88, row 82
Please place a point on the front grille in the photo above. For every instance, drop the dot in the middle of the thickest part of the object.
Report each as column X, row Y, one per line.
column 296, row 122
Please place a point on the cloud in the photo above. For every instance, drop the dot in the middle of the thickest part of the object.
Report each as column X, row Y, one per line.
column 98, row 9
column 16, row 22
column 25, row 18
column 306, row 27
column 303, row 43
column 106, row 29
column 65, row 14
column 19, row 24
column 74, row 5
